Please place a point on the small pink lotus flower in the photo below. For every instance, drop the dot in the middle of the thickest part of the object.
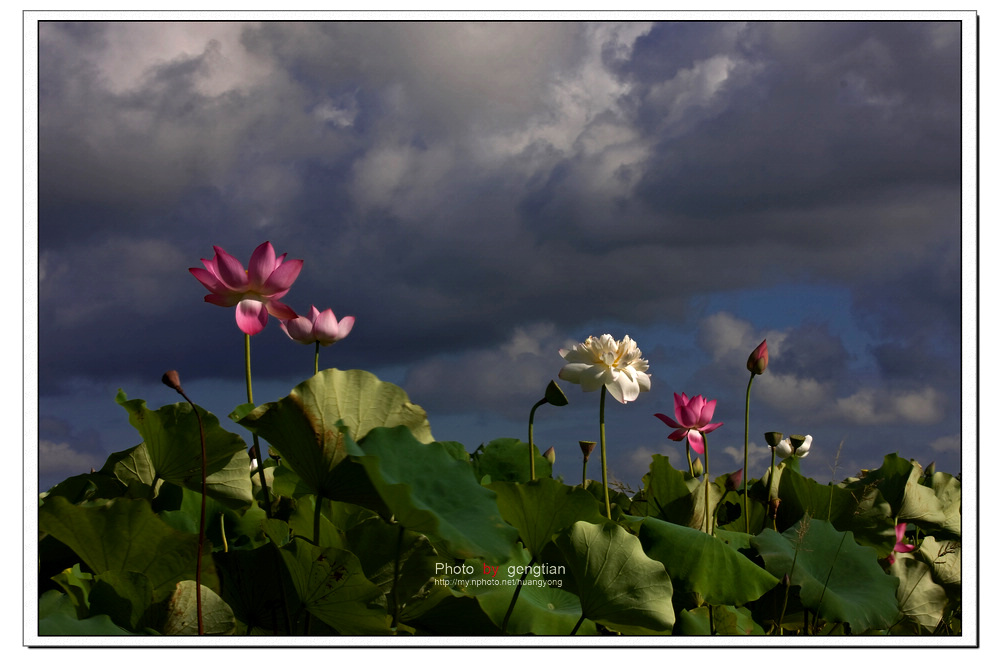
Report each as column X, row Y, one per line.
column 692, row 421
column 757, row 363
column 319, row 327
column 901, row 547
column 254, row 292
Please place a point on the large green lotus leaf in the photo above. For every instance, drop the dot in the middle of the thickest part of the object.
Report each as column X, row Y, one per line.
column 443, row 612
column 332, row 587
column 57, row 618
column 77, row 584
column 674, row 496
column 392, row 557
column 86, row 488
column 618, row 584
column 943, row 513
column 124, row 535
column 506, row 460
column 838, row 577
column 172, row 444
column 540, row 609
column 306, row 427
column 699, row 563
column 944, row 558
column 860, row 510
column 124, row 596
column 542, row 508
column 920, row 599
column 430, row 492
column 936, row 508
column 728, row 621
column 182, row 612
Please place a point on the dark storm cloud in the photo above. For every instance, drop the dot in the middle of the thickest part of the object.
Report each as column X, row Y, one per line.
column 475, row 192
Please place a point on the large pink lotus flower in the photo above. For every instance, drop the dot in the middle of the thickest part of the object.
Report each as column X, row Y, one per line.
column 254, row 292
column 901, row 547
column 692, row 421
column 319, row 327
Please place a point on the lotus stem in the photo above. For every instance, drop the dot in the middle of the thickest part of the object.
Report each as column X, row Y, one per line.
column 531, row 437
column 577, row 626
column 256, row 441
column 604, row 459
column 517, row 592
column 172, row 380
column 316, row 360
column 708, row 483
column 746, row 454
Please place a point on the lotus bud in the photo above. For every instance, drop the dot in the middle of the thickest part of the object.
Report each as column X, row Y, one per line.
column 554, row 395
column 734, row 479
column 587, row 446
column 172, row 380
column 773, row 438
column 698, row 468
column 550, row 455
column 757, row 362
column 930, row 470
column 773, row 508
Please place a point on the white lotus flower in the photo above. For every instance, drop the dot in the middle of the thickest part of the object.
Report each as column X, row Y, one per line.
column 785, row 449
column 605, row 362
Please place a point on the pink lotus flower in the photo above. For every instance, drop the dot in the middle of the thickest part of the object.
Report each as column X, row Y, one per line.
column 901, row 547
column 692, row 421
column 254, row 292
column 319, row 327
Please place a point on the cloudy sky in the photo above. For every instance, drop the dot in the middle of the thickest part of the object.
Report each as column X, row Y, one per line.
column 479, row 195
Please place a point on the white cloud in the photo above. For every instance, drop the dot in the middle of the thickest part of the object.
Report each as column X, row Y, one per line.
column 870, row 407
column 948, row 443
column 759, row 456
column 60, row 458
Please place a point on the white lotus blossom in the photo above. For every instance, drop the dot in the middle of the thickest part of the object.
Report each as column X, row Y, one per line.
column 785, row 449
column 606, row 362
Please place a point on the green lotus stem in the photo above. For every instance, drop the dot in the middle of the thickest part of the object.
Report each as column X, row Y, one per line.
column 172, row 380
column 316, row 360
column 746, row 454
column 584, row 482
column 531, row 437
column 708, row 482
column 256, row 442
column 687, row 446
column 222, row 528
column 711, row 621
column 770, row 492
column 604, row 460
column 517, row 592
column 577, row 626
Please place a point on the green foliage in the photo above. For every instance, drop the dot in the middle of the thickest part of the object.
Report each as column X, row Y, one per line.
column 430, row 492
column 171, row 451
column 703, row 565
column 506, row 460
column 618, row 584
column 839, row 579
column 307, row 427
column 418, row 537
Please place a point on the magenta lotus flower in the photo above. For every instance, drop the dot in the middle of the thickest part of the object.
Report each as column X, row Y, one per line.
column 254, row 292
column 692, row 421
column 901, row 547
column 319, row 327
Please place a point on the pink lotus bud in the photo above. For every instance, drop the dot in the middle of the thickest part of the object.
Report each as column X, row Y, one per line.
column 757, row 363
column 734, row 479
column 550, row 455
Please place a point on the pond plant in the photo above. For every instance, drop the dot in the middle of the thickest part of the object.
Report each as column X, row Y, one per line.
column 354, row 521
